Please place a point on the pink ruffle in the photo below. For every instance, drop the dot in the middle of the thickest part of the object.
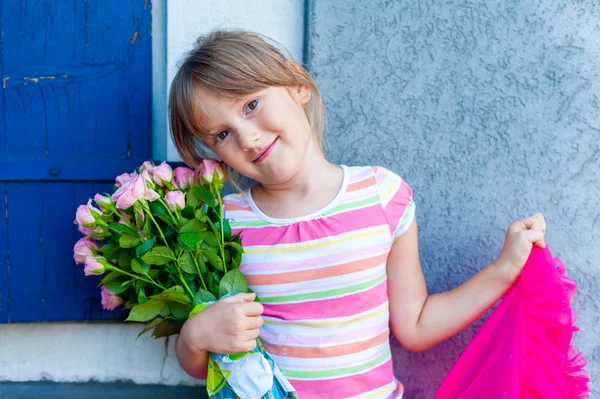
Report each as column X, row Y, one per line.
column 523, row 350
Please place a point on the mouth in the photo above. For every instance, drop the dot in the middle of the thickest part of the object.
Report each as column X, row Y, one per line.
column 265, row 153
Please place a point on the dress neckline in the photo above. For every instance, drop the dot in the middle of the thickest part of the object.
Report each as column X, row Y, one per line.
column 310, row 216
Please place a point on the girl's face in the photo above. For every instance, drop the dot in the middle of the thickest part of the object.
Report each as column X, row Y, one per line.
column 263, row 135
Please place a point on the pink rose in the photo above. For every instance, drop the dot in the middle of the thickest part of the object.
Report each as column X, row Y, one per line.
column 162, row 174
column 98, row 233
column 104, row 202
column 133, row 191
column 184, row 178
column 212, row 171
column 175, row 200
column 124, row 178
column 93, row 266
column 84, row 248
column 110, row 300
column 146, row 166
column 87, row 215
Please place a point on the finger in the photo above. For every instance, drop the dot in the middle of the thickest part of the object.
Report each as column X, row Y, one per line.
column 535, row 221
column 248, row 345
column 535, row 237
column 252, row 309
column 241, row 297
column 251, row 335
column 253, row 323
column 516, row 226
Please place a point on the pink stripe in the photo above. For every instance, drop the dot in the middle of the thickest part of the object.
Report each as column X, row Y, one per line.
column 305, row 264
column 309, row 340
column 324, row 285
column 345, row 306
column 397, row 206
column 346, row 387
column 334, row 225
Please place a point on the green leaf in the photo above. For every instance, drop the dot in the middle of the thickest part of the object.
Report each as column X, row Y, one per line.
column 235, row 245
column 151, row 325
column 159, row 256
column 142, row 298
column 194, row 225
column 198, row 308
column 147, row 245
column 204, row 195
column 147, row 229
column 211, row 240
column 110, row 250
column 203, row 296
column 200, row 215
column 121, row 228
column 146, row 311
column 233, row 282
column 191, row 200
column 125, row 259
column 213, row 259
column 227, row 258
column 166, row 328
column 166, row 312
column 128, row 241
column 235, row 250
column 226, row 229
column 140, row 268
column 201, row 263
column 188, row 212
column 186, row 262
column 173, row 294
column 180, row 310
column 110, row 277
column 115, row 287
column 190, row 240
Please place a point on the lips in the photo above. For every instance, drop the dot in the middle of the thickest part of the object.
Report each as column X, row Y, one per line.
column 265, row 153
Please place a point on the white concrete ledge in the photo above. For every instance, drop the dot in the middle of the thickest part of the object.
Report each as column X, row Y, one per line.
column 88, row 351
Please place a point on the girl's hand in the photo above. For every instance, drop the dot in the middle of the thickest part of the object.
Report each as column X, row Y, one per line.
column 228, row 326
column 521, row 235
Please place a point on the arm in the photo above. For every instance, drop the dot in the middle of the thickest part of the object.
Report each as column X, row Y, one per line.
column 418, row 320
column 193, row 362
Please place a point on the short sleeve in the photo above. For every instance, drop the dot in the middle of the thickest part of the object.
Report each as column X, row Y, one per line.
column 396, row 200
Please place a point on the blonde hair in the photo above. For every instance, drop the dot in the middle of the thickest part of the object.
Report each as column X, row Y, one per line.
column 231, row 64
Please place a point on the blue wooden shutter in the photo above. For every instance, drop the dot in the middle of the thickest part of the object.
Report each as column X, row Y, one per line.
column 76, row 112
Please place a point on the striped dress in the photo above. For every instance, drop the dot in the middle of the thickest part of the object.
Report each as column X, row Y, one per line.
column 322, row 281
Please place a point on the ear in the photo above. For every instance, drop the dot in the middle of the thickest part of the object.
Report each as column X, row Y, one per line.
column 301, row 90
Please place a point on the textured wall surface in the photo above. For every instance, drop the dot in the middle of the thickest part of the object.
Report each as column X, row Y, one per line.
column 490, row 112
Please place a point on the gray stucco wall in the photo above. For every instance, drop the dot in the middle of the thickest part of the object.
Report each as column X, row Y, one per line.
column 490, row 111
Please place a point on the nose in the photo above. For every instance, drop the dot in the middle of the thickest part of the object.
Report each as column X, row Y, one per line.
column 249, row 136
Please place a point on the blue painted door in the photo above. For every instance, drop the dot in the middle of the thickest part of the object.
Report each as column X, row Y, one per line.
column 76, row 112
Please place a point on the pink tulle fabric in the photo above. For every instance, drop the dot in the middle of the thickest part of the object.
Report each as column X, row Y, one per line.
column 523, row 350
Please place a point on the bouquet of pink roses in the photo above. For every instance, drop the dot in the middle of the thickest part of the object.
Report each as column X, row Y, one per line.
column 155, row 238
column 168, row 252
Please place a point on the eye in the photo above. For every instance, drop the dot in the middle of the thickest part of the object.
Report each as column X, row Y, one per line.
column 251, row 106
column 222, row 135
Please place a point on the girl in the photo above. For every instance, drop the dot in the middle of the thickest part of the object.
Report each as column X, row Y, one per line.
column 331, row 251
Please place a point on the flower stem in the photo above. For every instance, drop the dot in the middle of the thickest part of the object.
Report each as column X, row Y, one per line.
column 156, row 224
column 199, row 273
column 124, row 219
column 183, row 281
column 168, row 210
column 134, row 276
column 222, row 243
